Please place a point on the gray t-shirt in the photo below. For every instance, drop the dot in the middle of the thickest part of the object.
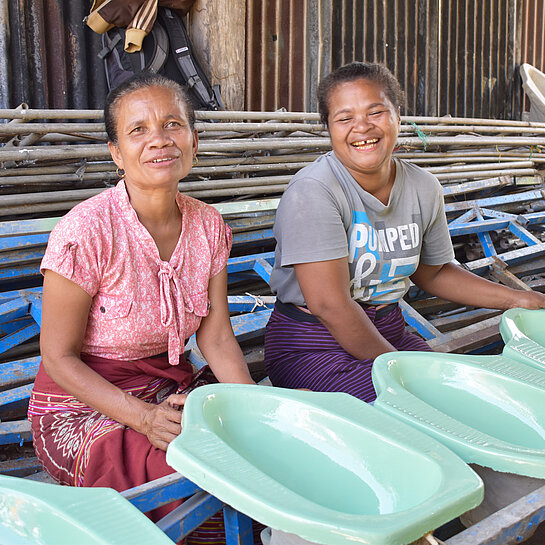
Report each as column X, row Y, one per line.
column 325, row 214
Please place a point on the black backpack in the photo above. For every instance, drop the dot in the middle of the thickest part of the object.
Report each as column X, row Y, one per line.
column 166, row 50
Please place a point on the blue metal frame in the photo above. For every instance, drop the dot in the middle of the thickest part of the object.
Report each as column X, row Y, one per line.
column 512, row 524
column 199, row 507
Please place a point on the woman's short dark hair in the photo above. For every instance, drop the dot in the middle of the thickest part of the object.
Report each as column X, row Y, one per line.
column 143, row 80
column 375, row 72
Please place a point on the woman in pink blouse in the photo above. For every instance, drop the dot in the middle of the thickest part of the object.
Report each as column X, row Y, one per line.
column 129, row 276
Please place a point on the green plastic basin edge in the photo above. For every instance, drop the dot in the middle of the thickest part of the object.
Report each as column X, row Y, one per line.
column 34, row 513
column 519, row 345
column 471, row 444
column 241, row 443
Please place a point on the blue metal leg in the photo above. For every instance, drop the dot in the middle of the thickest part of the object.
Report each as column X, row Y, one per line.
column 238, row 527
column 190, row 515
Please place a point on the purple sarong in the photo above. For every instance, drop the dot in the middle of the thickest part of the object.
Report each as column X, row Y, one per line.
column 304, row 354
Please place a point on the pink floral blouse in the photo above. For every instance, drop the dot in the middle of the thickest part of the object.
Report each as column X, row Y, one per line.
column 142, row 305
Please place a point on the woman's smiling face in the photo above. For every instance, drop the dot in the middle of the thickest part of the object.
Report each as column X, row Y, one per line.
column 363, row 126
column 155, row 143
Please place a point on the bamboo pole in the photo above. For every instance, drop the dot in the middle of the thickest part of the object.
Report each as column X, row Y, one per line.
column 100, row 151
column 474, row 168
column 486, row 174
column 278, row 116
column 204, row 163
column 265, row 127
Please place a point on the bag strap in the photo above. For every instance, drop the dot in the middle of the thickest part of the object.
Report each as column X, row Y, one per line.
column 160, row 52
column 180, row 42
column 217, row 94
column 108, row 44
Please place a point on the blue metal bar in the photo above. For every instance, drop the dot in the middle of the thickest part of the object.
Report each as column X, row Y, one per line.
column 14, row 243
column 416, row 320
column 18, row 337
column 36, row 308
column 512, row 524
column 491, row 213
column 16, row 294
column 238, row 527
column 477, row 185
column 465, row 217
column 524, row 235
column 13, row 398
column 494, row 201
column 251, row 222
column 16, row 372
column 535, row 218
column 479, row 266
column 7, row 328
column 16, row 273
column 474, row 227
column 246, row 263
column 15, row 432
column 249, row 303
column 16, row 257
column 252, row 236
column 487, row 244
column 11, row 310
column 190, row 515
column 248, row 326
column 160, row 492
column 263, row 268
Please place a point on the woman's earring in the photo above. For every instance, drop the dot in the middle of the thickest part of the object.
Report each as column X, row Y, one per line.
column 195, row 160
column 120, row 172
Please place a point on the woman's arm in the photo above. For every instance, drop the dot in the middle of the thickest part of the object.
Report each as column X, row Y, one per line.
column 326, row 289
column 455, row 284
column 216, row 339
column 64, row 320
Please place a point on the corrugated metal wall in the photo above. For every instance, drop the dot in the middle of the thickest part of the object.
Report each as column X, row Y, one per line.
column 533, row 38
column 48, row 55
column 276, row 54
column 455, row 57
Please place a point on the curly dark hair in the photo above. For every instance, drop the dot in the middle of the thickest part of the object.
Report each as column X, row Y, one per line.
column 143, row 80
column 375, row 72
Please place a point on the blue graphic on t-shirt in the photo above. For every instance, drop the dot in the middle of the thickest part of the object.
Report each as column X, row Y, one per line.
column 381, row 260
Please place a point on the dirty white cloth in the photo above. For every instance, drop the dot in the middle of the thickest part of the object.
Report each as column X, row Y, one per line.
column 500, row 490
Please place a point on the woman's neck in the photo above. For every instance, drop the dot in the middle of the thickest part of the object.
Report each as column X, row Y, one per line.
column 379, row 184
column 158, row 212
column 154, row 207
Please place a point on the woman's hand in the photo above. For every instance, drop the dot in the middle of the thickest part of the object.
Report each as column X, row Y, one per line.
column 532, row 300
column 162, row 423
column 453, row 283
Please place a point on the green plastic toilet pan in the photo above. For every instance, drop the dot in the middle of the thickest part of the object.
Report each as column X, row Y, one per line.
column 488, row 409
column 523, row 332
column 34, row 513
column 324, row 466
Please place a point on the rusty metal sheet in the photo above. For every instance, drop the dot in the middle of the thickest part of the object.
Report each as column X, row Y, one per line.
column 455, row 57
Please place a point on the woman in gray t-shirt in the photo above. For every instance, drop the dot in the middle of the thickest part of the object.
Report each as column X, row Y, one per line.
column 353, row 229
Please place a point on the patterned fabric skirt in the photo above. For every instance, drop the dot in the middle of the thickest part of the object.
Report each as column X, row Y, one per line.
column 78, row 446
column 303, row 354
